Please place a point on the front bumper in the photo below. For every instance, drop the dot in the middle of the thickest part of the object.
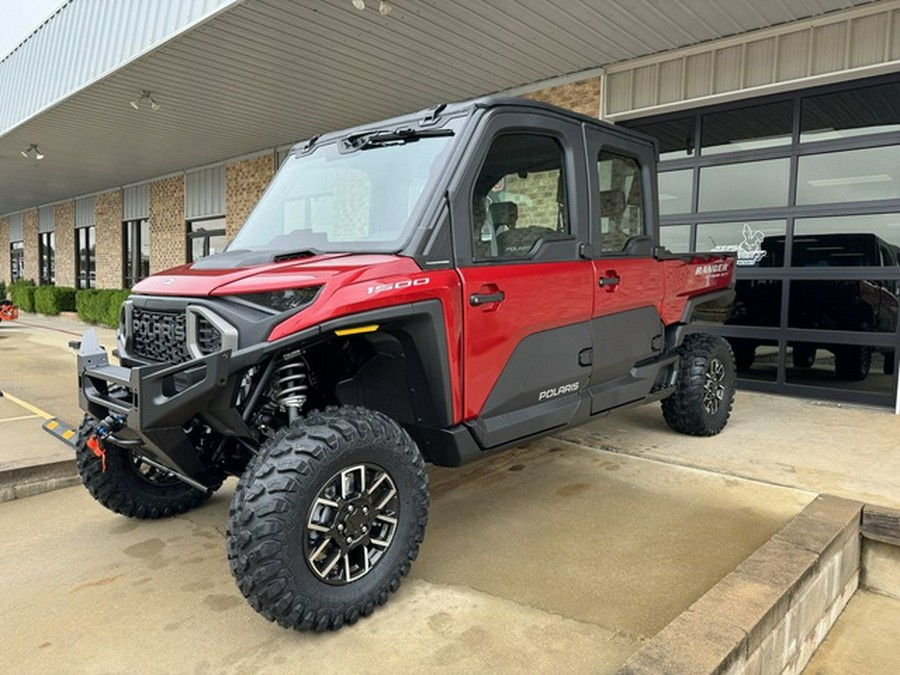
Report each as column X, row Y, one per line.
column 155, row 402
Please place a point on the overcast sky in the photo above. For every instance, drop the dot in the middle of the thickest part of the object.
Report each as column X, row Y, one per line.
column 20, row 18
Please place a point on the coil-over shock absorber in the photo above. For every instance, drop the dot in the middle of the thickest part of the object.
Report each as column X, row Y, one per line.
column 290, row 383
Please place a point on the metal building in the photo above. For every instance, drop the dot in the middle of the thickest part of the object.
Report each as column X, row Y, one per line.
column 137, row 135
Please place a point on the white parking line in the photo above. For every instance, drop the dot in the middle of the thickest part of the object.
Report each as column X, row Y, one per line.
column 21, row 417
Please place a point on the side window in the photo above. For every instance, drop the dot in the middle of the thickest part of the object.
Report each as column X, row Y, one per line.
column 621, row 200
column 519, row 197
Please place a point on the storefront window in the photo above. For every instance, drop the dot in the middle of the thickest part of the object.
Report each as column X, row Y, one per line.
column 205, row 237
column 843, row 114
column 136, row 251
column 676, row 238
column 850, row 176
column 754, row 242
column 847, row 241
column 845, row 367
column 675, row 137
column 17, row 260
column 749, row 185
column 85, row 259
column 675, row 189
column 47, row 258
column 762, row 126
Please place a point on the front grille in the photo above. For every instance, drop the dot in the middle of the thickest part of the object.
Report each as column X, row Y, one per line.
column 209, row 339
column 159, row 336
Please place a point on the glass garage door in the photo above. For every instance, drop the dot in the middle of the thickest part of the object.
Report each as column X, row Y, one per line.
column 805, row 188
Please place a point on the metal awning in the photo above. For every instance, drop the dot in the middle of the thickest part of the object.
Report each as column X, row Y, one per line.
column 235, row 77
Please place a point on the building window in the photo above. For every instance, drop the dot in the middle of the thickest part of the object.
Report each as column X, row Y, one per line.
column 205, row 237
column 17, row 260
column 47, row 258
column 85, row 272
column 136, row 251
column 804, row 187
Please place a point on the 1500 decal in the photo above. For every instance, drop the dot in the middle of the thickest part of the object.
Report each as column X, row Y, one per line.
column 397, row 285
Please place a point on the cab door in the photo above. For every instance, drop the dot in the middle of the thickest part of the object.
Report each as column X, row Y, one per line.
column 518, row 214
column 628, row 280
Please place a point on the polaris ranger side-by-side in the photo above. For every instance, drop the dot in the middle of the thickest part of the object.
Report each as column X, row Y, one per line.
column 434, row 287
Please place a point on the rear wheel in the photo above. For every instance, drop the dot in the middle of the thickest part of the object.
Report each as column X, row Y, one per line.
column 327, row 519
column 129, row 486
column 704, row 390
column 852, row 362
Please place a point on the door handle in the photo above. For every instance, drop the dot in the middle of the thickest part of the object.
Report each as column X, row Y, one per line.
column 477, row 299
column 609, row 281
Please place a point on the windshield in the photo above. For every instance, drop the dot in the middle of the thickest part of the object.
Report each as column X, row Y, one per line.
column 365, row 200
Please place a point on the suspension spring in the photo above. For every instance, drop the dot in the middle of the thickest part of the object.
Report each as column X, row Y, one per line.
column 290, row 383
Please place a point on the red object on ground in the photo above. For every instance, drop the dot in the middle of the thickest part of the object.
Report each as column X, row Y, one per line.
column 8, row 311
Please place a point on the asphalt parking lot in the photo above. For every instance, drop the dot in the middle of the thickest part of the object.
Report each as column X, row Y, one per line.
column 565, row 555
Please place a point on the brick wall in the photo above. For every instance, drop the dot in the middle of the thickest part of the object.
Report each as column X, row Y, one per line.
column 108, row 229
column 30, row 238
column 245, row 181
column 64, row 229
column 582, row 96
column 168, row 246
column 5, row 272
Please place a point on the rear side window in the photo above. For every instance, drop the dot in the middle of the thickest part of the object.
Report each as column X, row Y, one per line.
column 519, row 197
column 621, row 200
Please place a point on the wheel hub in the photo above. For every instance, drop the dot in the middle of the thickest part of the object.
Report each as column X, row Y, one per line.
column 351, row 523
column 714, row 386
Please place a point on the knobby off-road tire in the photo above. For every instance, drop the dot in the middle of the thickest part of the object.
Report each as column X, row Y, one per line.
column 852, row 362
column 327, row 518
column 704, row 391
column 135, row 489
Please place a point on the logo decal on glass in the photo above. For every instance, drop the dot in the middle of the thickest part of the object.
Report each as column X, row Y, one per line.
column 749, row 252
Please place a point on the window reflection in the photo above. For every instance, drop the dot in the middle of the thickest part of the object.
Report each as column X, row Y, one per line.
column 750, row 185
column 675, row 190
column 842, row 114
column 850, row 367
column 757, row 303
column 850, row 176
column 869, row 241
column 762, row 126
column 747, row 239
column 675, row 137
column 676, row 238
column 841, row 304
column 755, row 359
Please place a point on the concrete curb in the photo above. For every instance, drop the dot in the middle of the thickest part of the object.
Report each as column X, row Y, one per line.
column 23, row 479
column 772, row 612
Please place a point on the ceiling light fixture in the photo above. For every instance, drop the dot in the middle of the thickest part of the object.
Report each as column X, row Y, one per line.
column 145, row 96
column 359, row 4
column 33, row 148
column 384, row 7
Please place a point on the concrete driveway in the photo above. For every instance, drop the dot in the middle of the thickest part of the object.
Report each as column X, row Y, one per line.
column 553, row 557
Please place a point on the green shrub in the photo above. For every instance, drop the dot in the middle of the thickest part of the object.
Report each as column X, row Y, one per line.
column 100, row 306
column 91, row 304
column 2, row 289
column 22, row 294
column 114, row 303
column 54, row 299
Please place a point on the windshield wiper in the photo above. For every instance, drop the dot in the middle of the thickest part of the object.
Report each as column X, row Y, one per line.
column 376, row 139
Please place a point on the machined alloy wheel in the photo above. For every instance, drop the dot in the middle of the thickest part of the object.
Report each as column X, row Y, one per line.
column 351, row 524
column 327, row 518
column 714, row 386
column 704, row 386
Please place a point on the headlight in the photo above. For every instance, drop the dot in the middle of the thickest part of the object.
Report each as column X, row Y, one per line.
column 282, row 301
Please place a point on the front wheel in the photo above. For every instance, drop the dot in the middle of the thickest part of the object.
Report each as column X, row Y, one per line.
column 327, row 518
column 704, row 391
column 127, row 485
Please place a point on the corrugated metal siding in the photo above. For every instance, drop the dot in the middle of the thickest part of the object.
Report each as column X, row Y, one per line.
column 136, row 202
column 84, row 40
column 204, row 193
column 45, row 219
column 16, row 227
column 832, row 45
column 84, row 212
